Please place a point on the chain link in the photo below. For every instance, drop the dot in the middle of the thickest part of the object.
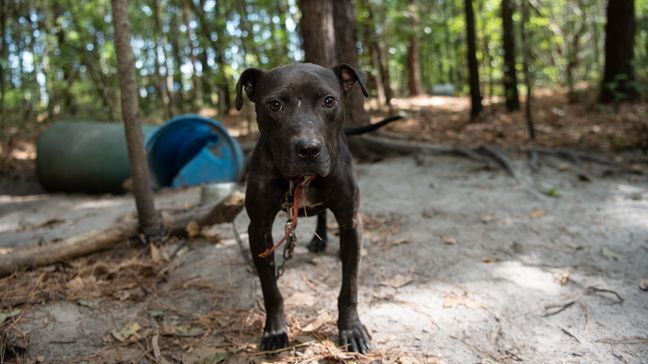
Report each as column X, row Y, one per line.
column 291, row 237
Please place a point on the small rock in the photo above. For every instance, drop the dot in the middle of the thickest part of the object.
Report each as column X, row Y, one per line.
column 643, row 284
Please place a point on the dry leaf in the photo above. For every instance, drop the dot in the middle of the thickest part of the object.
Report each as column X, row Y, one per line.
column 397, row 281
column 128, row 331
column 489, row 260
column 452, row 301
column 448, row 240
column 78, row 283
column 300, row 299
column 314, row 325
column 537, row 213
column 563, row 278
column 155, row 254
column 193, row 229
column 488, row 218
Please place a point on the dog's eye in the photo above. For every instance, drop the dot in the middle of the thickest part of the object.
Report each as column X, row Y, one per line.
column 275, row 105
column 329, row 102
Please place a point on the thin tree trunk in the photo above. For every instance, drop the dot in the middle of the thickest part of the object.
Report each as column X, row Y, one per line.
column 473, row 67
column 176, row 53
column 526, row 56
column 344, row 15
column 205, row 80
column 248, row 39
column 280, row 34
column 220, row 60
column 510, row 75
column 449, row 54
column 165, row 94
column 317, row 31
column 48, row 66
column 618, row 74
column 149, row 220
column 225, row 100
column 33, row 26
column 4, row 54
column 197, row 89
column 377, row 54
column 414, row 53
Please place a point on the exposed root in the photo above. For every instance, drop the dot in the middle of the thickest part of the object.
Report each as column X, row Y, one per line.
column 499, row 158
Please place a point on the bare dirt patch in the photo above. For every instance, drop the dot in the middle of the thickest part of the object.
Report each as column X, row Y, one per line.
column 461, row 263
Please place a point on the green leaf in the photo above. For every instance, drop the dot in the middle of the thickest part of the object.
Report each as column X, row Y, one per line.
column 553, row 192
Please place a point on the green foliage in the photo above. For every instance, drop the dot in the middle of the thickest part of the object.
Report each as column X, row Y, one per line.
column 60, row 56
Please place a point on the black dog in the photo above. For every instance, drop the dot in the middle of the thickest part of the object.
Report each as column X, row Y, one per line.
column 300, row 113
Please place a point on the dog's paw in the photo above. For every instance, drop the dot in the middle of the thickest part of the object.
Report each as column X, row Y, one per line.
column 317, row 245
column 274, row 340
column 355, row 339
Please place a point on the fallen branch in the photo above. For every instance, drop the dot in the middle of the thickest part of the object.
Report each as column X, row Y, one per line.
column 176, row 224
column 623, row 340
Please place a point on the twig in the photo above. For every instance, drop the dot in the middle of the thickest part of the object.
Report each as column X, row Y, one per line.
column 623, row 340
column 549, row 309
column 156, row 349
column 570, row 334
column 586, row 315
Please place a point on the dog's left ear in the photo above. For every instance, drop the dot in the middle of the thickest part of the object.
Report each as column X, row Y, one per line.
column 348, row 77
column 248, row 80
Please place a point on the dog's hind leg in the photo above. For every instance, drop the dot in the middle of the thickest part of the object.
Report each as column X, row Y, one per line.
column 320, row 238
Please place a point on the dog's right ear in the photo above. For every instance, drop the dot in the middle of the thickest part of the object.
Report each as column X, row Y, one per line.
column 248, row 80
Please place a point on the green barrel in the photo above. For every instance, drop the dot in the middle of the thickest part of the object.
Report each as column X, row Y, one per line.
column 89, row 157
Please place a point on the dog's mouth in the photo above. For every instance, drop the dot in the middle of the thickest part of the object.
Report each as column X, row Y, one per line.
column 298, row 170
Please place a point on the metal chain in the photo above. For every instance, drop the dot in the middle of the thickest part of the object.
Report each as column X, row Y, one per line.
column 291, row 237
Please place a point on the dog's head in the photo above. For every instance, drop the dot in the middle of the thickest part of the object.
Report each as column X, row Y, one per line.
column 300, row 112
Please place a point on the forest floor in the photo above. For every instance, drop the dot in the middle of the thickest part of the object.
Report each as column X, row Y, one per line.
column 462, row 262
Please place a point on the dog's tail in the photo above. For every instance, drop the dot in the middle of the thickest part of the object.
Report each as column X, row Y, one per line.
column 371, row 127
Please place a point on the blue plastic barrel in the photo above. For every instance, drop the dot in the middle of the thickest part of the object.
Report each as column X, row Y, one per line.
column 92, row 157
column 190, row 149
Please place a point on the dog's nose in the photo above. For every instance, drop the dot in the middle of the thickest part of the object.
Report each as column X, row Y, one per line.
column 308, row 148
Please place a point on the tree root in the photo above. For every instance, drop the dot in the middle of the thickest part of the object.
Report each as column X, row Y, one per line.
column 376, row 147
column 182, row 224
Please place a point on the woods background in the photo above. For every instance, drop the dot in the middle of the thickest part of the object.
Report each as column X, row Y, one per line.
column 57, row 58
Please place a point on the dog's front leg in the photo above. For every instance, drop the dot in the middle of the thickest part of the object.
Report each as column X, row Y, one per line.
column 262, row 202
column 275, row 332
column 353, row 333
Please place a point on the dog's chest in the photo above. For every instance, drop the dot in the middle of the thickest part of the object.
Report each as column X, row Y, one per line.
column 309, row 202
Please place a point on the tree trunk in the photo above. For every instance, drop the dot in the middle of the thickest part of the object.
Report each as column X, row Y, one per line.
column 195, row 82
column 317, row 31
column 475, row 95
column 48, row 66
column 510, row 76
column 344, row 18
column 377, row 54
column 526, row 56
column 414, row 53
column 4, row 54
column 165, row 94
column 220, row 60
column 149, row 220
column 176, row 53
column 618, row 74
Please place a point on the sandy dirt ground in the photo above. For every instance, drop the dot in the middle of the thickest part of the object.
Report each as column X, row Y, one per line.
column 461, row 264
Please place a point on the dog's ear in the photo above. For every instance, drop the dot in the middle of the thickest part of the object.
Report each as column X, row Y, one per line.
column 248, row 80
column 348, row 77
